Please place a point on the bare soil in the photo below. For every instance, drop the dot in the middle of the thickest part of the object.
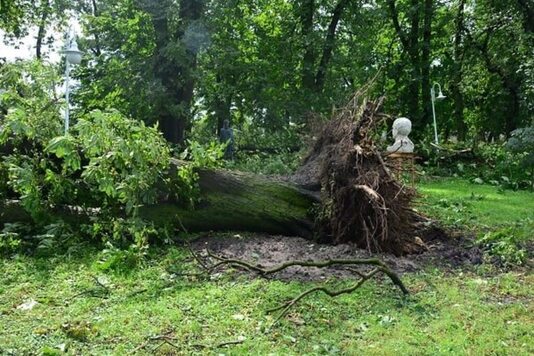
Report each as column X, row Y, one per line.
column 442, row 250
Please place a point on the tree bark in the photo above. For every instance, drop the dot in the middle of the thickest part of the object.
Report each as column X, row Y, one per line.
column 45, row 11
column 410, row 44
column 329, row 43
column 457, row 75
column 425, row 61
column 527, row 8
column 237, row 201
column 174, row 72
column 307, row 10
column 511, row 84
column 230, row 201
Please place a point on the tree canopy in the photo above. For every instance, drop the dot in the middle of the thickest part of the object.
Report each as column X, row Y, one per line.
column 273, row 63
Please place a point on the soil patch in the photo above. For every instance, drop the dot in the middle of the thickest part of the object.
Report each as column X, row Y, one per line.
column 441, row 250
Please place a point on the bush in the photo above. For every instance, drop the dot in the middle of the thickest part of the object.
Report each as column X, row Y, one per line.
column 507, row 243
column 522, row 143
column 491, row 163
column 107, row 162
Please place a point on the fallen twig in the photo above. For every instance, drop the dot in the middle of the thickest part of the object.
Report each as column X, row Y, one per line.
column 320, row 264
column 286, row 306
column 380, row 267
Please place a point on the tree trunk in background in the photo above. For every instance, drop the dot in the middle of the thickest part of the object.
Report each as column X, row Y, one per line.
column 314, row 77
column 307, row 10
column 410, row 44
column 222, row 107
column 457, row 75
column 175, row 74
column 329, row 44
column 510, row 83
column 413, row 51
column 98, row 50
column 45, row 12
column 425, row 62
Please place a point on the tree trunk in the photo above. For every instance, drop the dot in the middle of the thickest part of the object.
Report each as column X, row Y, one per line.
column 410, row 44
column 527, row 8
column 174, row 72
column 45, row 8
column 328, row 47
column 230, row 201
column 242, row 202
column 457, row 76
column 307, row 10
column 425, row 62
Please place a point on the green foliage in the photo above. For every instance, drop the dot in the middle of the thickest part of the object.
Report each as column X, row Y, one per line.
column 266, row 163
column 208, row 156
column 123, row 159
column 522, row 144
column 491, row 163
column 506, row 243
column 10, row 238
column 109, row 164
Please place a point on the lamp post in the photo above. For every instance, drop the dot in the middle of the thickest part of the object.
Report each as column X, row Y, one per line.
column 73, row 56
column 434, row 98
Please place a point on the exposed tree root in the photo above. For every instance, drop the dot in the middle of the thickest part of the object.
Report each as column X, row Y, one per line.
column 380, row 267
column 361, row 201
column 286, row 306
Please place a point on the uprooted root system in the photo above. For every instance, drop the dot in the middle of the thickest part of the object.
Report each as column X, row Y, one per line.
column 362, row 202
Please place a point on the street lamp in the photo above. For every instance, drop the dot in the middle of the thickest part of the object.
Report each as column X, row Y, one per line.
column 73, row 56
column 439, row 98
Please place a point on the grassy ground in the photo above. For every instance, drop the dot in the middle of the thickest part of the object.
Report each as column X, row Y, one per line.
column 468, row 205
column 85, row 310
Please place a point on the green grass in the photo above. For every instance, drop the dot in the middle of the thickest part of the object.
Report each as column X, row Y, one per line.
column 456, row 200
column 477, row 311
column 447, row 313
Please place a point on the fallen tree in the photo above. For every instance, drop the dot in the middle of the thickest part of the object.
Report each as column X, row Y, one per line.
column 343, row 192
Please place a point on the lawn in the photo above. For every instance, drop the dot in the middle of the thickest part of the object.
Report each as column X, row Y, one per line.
column 84, row 308
column 475, row 204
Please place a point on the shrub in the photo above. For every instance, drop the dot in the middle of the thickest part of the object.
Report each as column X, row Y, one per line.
column 107, row 162
column 522, row 143
column 485, row 162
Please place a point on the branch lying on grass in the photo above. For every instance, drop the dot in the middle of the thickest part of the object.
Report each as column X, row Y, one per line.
column 99, row 291
column 168, row 339
column 380, row 267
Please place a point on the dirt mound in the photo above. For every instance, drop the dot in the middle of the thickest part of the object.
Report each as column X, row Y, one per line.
column 269, row 251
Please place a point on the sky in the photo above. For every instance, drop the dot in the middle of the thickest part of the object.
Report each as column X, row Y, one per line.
column 25, row 49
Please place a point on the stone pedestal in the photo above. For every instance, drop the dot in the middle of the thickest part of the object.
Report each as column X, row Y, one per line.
column 402, row 163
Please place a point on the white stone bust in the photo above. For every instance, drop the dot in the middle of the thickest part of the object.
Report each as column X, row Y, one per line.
column 401, row 129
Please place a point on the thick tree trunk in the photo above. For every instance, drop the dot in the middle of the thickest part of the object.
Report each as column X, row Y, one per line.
column 230, row 201
column 175, row 74
column 241, row 202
